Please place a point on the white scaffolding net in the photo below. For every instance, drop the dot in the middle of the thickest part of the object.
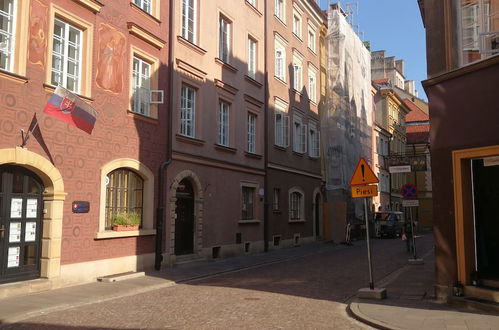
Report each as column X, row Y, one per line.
column 346, row 123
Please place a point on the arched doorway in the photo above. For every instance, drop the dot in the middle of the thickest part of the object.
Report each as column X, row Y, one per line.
column 21, row 206
column 184, row 218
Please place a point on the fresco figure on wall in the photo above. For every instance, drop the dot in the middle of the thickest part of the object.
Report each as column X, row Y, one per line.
column 37, row 33
column 110, row 59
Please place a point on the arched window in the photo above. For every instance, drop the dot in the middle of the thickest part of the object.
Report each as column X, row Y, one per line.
column 296, row 206
column 124, row 193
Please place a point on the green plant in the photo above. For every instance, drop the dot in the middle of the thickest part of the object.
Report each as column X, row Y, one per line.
column 126, row 219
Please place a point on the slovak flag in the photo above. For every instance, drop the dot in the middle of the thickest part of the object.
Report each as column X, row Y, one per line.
column 68, row 107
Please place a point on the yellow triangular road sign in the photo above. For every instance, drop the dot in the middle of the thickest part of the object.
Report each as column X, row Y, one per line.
column 363, row 174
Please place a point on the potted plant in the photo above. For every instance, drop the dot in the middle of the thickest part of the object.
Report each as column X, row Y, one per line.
column 126, row 221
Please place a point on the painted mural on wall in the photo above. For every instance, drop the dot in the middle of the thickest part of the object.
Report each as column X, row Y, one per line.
column 37, row 33
column 112, row 46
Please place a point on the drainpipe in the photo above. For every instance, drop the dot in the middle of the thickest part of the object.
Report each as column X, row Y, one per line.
column 265, row 138
column 158, row 256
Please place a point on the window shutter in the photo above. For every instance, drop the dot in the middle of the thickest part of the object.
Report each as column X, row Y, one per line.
column 286, row 131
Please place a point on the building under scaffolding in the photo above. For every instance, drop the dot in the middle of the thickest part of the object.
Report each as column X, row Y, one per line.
column 346, row 123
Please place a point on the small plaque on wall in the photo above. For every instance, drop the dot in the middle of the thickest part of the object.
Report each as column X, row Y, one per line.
column 80, row 206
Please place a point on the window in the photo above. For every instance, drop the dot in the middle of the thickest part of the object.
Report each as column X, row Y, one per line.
column 187, row 111
column 66, row 56
column 145, row 5
column 189, row 20
column 279, row 10
column 297, row 25
column 275, row 199
column 280, row 59
column 223, row 124
column 295, row 206
column 311, row 39
column 297, row 74
column 251, row 58
column 314, row 141
column 251, row 133
column 312, row 86
column 248, row 195
column 7, row 33
column 141, row 86
column 124, row 193
column 480, row 36
column 299, row 136
column 224, row 39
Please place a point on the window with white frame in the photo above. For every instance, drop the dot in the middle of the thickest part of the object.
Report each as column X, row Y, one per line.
column 141, row 86
column 251, row 57
column 189, row 17
column 247, row 207
column 314, row 141
column 299, row 135
column 276, row 199
column 312, row 85
column 280, row 59
column 281, row 124
column 297, row 76
column 145, row 5
column 251, row 133
column 223, row 123
column 296, row 205
column 311, row 39
column 224, row 39
column 66, row 56
column 187, row 111
column 7, row 34
column 297, row 24
column 279, row 10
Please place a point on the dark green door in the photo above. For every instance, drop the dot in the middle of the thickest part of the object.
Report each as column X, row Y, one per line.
column 20, row 224
column 486, row 199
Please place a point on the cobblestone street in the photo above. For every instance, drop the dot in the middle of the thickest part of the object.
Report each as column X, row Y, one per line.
column 305, row 293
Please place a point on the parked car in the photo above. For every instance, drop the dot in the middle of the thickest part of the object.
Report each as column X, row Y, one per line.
column 388, row 224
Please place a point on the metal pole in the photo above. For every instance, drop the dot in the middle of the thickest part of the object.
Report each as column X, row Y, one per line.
column 415, row 256
column 371, row 282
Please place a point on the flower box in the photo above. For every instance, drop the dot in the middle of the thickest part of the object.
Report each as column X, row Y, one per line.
column 125, row 227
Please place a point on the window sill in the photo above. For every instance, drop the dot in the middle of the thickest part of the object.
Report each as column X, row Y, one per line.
column 296, row 221
column 253, row 81
column 281, row 81
column 280, row 20
column 150, row 16
column 225, row 148
column 297, row 153
column 190, row 140
column 252, row 155
column 191, row 45
column 51, row 88
column 312, row 102
column 143, row 117
column 276, row 211
column 131, row 233
column 12, row 76
column 254, row 8
column 281, row 148
column 297, row 37
column 314, row 158
column 225, row 65
column 312, row 51
column 248, row 221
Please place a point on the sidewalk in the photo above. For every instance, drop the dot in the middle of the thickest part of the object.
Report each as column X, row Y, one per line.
column 411, row 305
column 15, row 309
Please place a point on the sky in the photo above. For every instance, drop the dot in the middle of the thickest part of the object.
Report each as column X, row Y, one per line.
column 394, row 26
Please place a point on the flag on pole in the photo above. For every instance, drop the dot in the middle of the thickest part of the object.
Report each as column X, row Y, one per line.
column 68, row 107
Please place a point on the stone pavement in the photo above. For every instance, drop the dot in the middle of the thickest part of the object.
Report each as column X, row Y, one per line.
column 410, row 304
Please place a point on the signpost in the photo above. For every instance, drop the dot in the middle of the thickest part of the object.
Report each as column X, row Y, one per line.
column 410, row 194
column 363, row 185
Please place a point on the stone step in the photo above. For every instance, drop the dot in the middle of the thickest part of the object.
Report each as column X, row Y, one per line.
column 475, row 304
column 482, row 293
column 23, row 288
column 187, row 259
column 120, row 277
column 490, row 283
